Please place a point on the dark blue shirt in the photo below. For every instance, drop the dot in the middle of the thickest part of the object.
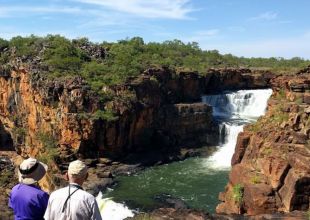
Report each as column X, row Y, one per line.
column 29, row 202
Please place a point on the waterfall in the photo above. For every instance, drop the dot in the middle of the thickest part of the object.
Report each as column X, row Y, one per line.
column 233, row 110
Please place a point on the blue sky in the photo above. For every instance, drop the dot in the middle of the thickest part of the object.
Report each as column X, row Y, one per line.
column 251, row 28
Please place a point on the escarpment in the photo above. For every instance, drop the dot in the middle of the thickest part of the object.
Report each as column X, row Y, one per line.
column 271, row 164
column 155, row 110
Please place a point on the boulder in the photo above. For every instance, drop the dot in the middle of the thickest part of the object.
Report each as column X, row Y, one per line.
column 295, row 191
column 258, row 199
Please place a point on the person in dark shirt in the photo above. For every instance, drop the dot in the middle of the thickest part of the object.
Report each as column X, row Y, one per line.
column 27, row 199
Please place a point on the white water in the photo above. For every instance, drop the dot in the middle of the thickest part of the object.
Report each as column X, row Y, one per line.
column 112, row 210
column 235, row 109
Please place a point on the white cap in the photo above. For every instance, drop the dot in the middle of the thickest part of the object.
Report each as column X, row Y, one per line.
column 77, row 168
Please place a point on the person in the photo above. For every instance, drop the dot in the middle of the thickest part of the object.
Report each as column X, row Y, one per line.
column 27, row 199
column 72, row 202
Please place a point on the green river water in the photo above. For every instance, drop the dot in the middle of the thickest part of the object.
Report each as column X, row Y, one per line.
column 191, row 180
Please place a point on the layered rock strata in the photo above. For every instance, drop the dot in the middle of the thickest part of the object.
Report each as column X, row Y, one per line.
column 146, row 110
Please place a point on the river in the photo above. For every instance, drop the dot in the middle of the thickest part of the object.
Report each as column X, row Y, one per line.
column 196, row 181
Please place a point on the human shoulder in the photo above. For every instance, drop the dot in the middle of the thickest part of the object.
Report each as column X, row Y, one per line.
column 87, row 195
column 15, row 187
column 59, row 192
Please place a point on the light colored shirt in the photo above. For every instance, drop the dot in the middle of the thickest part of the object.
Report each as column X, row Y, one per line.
column 80, row 206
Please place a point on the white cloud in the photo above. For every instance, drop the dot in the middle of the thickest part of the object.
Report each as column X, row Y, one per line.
column 266, row 16
column 14, row 11
column 172, row 9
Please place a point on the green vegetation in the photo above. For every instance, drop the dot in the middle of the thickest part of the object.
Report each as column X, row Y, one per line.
column 19, row 132
column 281, row 94
column 49, row 152
column 6, row 177
column 308, row 214
column 238, row 193
column 279, row 116
column 106, row 115
column 267, row 151
column 111, row 63
column 255, row 179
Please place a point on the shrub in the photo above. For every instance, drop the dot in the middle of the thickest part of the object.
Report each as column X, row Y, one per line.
column 49, row 152
column 6, row 177
column 238, row 193
column 62, row 57
column 255, row 179
column 106, row 115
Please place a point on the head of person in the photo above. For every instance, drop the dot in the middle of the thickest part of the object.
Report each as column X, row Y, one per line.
column 30, row 171
column 77, row 172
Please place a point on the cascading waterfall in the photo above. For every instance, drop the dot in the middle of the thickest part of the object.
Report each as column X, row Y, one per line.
column 233, row 110
column 197, row 181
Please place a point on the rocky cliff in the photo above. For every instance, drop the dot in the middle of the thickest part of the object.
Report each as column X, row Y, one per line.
column 38, row 114
column 270, row 167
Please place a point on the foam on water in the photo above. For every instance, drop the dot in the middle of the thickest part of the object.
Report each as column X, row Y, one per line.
column 112, row 210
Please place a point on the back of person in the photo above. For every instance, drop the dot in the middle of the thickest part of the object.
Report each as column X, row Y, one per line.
column 28, row 202
column 27, row 199
column 72, row 202
column 79, row 206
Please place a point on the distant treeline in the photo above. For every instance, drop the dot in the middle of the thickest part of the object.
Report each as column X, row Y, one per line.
column 110, row 63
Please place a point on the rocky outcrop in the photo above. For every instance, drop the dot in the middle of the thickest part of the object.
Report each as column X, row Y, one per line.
column 270, row 168
column 234, row 79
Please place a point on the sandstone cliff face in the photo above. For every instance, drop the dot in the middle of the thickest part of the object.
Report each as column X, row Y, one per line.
column 270, row 168
column 33, row 108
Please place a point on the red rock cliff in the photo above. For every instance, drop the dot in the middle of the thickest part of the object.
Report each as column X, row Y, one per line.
column 271, row 164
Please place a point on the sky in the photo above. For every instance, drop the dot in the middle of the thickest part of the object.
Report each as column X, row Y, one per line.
column 249, row 28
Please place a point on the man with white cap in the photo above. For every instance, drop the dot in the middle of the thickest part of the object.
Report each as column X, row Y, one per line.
column 27, row 200
column 72, row 202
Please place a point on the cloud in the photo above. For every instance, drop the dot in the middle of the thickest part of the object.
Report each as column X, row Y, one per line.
column 13, row 11
column 171, row 9
column 266, row 16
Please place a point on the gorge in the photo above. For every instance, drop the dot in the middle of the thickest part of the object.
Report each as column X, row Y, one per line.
column 197, row 181
column 157, row 117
